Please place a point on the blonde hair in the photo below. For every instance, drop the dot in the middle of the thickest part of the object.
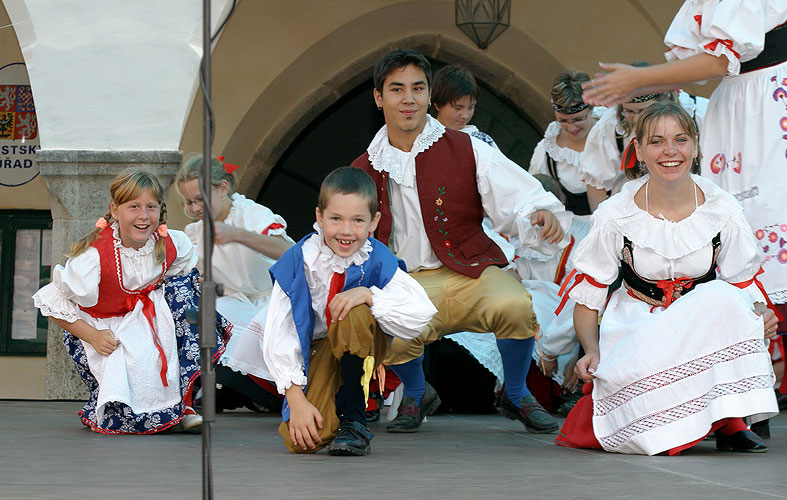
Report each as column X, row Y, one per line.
column 192, row 169
column 659, row 97
column 126, row 186
column 648, row 118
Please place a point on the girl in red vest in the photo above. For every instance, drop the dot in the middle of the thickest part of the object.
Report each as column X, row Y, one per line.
column 121, row 299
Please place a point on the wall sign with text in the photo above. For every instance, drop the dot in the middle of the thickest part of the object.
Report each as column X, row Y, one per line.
column 19, row 139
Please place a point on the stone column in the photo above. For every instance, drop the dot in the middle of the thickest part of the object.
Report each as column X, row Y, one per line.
column 78, row 183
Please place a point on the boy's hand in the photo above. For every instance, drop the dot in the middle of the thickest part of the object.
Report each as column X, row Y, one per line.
column 551, row 230
column 341, row 303
column 305, row 419
column 104, row 342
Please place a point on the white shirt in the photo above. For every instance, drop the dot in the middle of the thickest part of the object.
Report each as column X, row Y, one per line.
column 509, row 196
column 401, row 308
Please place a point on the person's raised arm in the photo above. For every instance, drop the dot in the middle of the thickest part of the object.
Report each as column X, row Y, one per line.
column 621, row 82
column 271, row 246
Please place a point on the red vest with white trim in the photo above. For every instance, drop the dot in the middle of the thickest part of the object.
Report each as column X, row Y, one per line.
column 451, row 208
column 113, row 298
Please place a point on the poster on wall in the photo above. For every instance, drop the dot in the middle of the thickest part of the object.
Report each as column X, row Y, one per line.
column 18, row 127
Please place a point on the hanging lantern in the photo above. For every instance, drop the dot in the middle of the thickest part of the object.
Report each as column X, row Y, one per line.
column 483, row 20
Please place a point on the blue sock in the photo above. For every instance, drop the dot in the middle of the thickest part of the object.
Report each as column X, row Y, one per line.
column 516, row 354
column 412, row 376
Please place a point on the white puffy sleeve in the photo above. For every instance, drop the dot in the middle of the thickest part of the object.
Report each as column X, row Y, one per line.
column 261, row 220
column 597, row 257
column 187, row 254
column 72, row 285
column 739, row 256
column 538, row 162
column 600, row 164
column 731, row 28
column 281, row 347
column 510, row 195
column 402, row 307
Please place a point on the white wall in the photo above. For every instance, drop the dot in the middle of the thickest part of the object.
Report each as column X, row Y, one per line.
column 111, row 74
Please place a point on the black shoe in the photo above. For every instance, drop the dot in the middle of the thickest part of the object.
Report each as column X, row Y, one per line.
column 742, row 441
column 352, row 440
column 762, row 428
column 409, row 416
column 536, row 419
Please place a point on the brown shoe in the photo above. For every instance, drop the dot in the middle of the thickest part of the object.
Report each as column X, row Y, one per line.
column 410, row 415
column 536, row 419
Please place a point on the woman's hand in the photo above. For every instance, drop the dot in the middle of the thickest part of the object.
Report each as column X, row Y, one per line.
column 104, row 342
column 617, row 85
column 769, row 320
column 586, row 366
column 224, row 233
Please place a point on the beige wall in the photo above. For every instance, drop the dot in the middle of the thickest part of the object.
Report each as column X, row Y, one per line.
column 279, row 64
column 22, row 377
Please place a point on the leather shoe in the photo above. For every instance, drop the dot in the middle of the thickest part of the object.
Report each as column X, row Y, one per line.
column 409, row 416
column 352, row 440
column 743, row 441
column 536, row 419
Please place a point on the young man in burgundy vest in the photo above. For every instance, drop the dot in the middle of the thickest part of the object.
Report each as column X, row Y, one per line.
column 435, row 185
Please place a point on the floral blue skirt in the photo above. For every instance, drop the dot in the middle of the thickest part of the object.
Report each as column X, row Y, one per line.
column 181, row 294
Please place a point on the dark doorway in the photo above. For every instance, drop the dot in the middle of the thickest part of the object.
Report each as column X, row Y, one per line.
column 343, row 131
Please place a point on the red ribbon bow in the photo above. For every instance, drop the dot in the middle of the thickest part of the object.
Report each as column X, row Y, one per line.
column 228, row 167
column 744, row 284
column 668, row 287
column 149, row 311
column 629, row 156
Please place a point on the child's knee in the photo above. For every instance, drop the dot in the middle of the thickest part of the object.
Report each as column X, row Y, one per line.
column 355, row 334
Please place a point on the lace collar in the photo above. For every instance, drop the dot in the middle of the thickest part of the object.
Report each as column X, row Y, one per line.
column 399, row 164
column 557, row 152
column 335, row 263
column 146, row 249
column 668, row 238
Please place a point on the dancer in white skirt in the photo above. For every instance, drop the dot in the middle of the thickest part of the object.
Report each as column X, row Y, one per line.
column 249, row 239
column 669, row 366
column 743, row 139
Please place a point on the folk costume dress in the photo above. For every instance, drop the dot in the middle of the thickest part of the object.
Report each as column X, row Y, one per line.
column 670, row 365
column 744, row 140
column 563, row 165
column 606, row 142
column 140, row 387
column 241, row 270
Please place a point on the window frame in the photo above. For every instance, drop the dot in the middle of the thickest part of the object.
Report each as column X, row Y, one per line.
column 11, row 221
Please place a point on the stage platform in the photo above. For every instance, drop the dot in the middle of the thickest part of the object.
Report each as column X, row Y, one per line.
column 48, row 454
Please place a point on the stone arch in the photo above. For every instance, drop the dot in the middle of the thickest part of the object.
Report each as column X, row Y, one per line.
column 501, row 71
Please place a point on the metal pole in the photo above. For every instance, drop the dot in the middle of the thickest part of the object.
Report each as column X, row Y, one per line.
column 207, row 312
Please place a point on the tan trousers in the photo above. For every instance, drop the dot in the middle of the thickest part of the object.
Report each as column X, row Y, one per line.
column 494, row 302
column 357, row 334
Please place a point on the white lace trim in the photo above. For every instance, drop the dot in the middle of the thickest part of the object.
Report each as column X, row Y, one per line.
column 148, row 248
column 779, row 297
column 557, row 152
column 47, row 311
column 386, row 158
column 589, row 296
column 669, row 239
column 334, row 262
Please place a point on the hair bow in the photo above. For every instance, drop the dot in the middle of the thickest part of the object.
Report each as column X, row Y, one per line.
column 228, row 167
column 101, row 223
column 629, row 156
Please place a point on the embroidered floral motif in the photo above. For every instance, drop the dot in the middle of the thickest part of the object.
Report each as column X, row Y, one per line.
column 780, row 95
column 773, row 242
column 441, row 219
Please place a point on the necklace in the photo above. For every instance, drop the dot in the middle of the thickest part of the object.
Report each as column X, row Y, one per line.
column 694, row 186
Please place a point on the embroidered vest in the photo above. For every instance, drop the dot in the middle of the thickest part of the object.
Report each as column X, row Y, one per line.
column 450, row 205
column 289, row 273
column 113, row 298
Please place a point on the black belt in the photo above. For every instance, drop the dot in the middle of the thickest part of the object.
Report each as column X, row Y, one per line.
column 775, row 50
